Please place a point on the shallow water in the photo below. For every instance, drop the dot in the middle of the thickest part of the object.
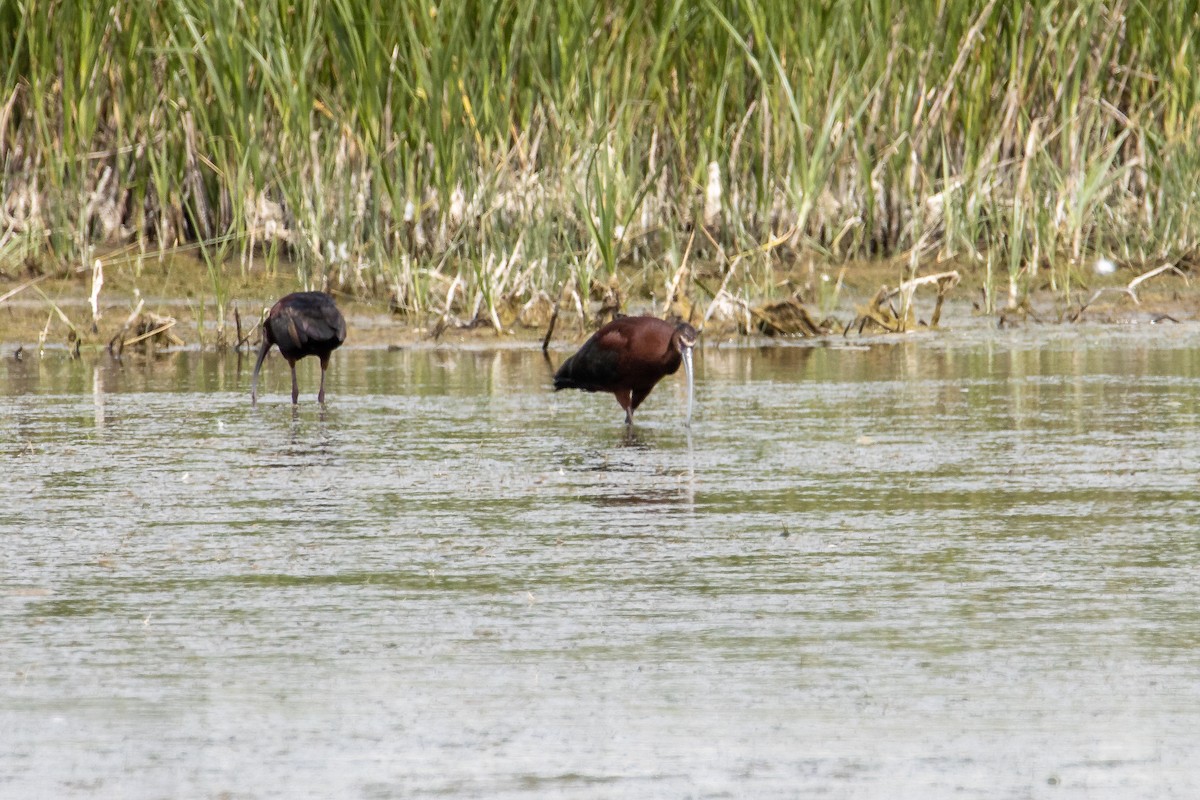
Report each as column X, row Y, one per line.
column 961, row 565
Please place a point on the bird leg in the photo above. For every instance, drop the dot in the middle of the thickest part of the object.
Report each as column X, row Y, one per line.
column 321, row 393
column 295, row 386
column 622, row 396
column 637, row 397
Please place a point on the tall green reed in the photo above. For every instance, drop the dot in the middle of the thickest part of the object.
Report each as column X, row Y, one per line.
column 391, row 149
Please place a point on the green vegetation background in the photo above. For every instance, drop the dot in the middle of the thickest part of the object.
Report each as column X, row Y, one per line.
column 474, row 152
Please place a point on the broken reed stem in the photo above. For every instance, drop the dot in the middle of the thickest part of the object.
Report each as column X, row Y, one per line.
column 160, row 329
column 888, row 319
column 550, row 327
column 673, row 286
column 237, row 321
column 733, row 265
column 1127, row 290
column 909, row 286
column 18, row 289
column 1150, row 274
column 54, row 307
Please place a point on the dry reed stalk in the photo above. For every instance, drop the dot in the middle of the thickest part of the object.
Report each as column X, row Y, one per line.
column 163, row 324
column 1127, row 289
column 59, row 312
column 18, row 289
column 787, row 317
column 580, row 308
column 444, row 321
column 118, row 339
column 44, row 333
column 949, row 279
column 237, row 321
column 721, row 290
column 1155, row 272
column 965, row 47
column 673, row 284
column 5, row 116
column 550, row 328
column 880, row 312
column 193, row 179
column 1077, row 315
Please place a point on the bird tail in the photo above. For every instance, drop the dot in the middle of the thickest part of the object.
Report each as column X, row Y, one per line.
column 562, row 378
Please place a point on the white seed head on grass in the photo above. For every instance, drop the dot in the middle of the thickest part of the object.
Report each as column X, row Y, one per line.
column 97, row 283
column 712, row 196
column 458, row 206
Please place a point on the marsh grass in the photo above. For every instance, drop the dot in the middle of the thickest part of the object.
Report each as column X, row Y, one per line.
column 463, row 158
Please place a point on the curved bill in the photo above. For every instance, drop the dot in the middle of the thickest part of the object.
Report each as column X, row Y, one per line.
column 687, row 368
column 262, row 354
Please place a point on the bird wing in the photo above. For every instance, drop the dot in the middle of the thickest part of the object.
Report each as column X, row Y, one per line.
column 595, row 365
column 613, row 339
column 336, row 322
column 305, row 328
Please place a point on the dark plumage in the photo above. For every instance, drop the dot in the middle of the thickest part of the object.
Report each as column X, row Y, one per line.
column 627, row 357
column 301, row 324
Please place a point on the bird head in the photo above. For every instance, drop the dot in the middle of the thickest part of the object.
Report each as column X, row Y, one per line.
column 685, row 339
column 686, row 336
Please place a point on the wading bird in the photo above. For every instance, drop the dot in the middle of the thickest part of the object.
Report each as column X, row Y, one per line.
column 627, row 357
column 301, row 324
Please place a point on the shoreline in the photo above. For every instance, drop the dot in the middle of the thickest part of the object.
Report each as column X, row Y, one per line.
column 54, row 312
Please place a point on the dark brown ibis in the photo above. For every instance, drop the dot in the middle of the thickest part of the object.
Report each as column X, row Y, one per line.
column 627, row 357
column 301, row 324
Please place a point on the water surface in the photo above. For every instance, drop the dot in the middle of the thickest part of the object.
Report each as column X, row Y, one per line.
column 960, row 565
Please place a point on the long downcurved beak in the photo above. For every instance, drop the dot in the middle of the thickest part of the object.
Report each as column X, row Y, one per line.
column 687, row 368
column 262, row 353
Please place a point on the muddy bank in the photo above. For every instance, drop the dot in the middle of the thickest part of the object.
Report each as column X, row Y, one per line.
column 177, row 303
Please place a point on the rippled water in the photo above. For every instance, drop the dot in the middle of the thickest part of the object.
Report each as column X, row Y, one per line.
column 955, row 565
